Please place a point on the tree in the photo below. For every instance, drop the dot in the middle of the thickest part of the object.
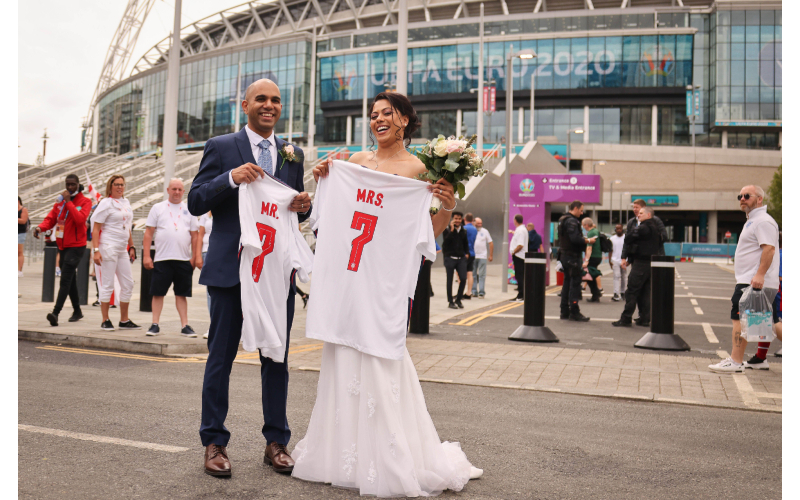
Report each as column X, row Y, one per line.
column 774, row 205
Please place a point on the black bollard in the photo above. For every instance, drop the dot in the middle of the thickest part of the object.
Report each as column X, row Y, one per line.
column 82, row 278
column 421, row 308
column 49, row 274
column 145, row 299
column 662, row 308
column 533, row 329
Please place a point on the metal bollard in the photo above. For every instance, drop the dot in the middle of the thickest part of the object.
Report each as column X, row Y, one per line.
column 49, row 274
column 662, row 308
column 82, row 278
column 421, row 308
column 533, row 329
column 145, row 299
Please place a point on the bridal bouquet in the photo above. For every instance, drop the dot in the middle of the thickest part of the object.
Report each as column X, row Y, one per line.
column 452, row 159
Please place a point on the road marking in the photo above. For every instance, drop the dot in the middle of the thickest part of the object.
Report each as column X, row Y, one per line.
column 745, row 389
column 102, row 439
column 698, row 310
column 686, row 288
column 683, row 323
column 481, row 316
column 689, row 294
column 602, row 338
column 711, row 297
column 723, row 354
column 710, row 333
column 139, row 357
column 693, row 301
column 292, row 350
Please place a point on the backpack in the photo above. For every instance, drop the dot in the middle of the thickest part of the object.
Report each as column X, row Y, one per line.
column 605, row 244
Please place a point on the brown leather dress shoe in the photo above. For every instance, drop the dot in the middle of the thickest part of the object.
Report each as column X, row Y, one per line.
column 278, row 457
column 216, row 461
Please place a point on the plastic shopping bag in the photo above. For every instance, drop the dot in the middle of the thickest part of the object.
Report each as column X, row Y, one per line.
column 755, row 316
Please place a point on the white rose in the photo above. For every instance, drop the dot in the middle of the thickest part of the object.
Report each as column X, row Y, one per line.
column 290, row 150
column 440, row 149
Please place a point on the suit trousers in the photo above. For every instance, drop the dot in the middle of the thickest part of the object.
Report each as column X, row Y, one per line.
column 638, row 291
column 223, row 344
column 460, row 266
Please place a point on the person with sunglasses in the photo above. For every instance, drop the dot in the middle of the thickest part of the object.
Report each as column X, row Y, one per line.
column 754, row 266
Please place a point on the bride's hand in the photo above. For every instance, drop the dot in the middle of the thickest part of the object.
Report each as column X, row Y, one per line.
column 321, row 170
column 444, row 191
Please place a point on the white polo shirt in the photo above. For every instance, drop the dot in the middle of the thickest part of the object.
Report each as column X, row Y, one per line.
column 173, row 224
column 520, row 238
column 482, row 240
column 760, row 229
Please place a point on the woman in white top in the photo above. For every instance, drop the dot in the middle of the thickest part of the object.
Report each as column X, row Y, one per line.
column 407, row 457
column 204, row 232
column 112, row 245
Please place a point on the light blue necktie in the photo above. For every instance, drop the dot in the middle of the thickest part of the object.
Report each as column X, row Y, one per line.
column 264, row 158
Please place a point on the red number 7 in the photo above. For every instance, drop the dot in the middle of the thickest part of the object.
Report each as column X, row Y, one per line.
column 267, row 235
column 368, row 223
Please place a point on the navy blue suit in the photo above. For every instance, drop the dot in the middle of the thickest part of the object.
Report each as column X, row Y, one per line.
column 211, row 191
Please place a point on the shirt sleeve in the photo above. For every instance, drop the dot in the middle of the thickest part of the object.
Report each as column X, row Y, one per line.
column 247, row 222
column 101, row 212
column 193, row 226
column 766, row 234
column 152, row 217
column 426, row 242
column 488, row 236
column 230, row 180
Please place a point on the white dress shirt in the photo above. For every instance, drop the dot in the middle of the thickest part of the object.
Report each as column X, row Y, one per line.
column 255, row 140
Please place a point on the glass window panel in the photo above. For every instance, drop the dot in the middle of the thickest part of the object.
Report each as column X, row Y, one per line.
column 767, row 111
column 737, row 51
column 683, row 47
column 630, row 48
column 737, row 95
column 545, row 25
column 723, row 18
column 737, row 72
column 737, row 18
column 723, row 51
column 561, row 116
column 576, row 117
column 751, row 111
column 630, row 21
column 752, row 94
column 753, row 17
column 778, row 18
column 595, row 116
column 752, row 51
column 562, row 64
column 767, row 34
column 751, row 73
column 752, row 34
column 579, row 74
column 778, row 33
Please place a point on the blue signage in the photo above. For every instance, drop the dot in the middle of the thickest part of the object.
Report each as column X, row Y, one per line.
column 658, row 200
column 689, row 106
column 748, row 124
column 708, row 250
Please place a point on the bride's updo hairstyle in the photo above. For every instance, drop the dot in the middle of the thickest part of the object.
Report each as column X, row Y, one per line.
column 403, row 106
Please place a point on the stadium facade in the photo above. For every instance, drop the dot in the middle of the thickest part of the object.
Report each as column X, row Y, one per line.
column 617, row 70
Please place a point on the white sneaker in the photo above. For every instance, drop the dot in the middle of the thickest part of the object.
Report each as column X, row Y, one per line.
column 58, row 271
column 779, row 353
column 727, row 366
column 475, row 473
column 19, row 274
column 205, row 335
column 755, row 363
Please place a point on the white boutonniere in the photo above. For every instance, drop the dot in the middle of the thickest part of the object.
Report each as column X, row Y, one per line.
column 287, row 153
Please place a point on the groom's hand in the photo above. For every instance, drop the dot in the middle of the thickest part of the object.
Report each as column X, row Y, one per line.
column 301, row 203
column 247, row 173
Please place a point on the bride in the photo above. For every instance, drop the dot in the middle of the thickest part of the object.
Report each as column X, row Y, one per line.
column 407, row 458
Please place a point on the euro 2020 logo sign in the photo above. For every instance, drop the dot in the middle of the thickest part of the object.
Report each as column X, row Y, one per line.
column 526, row 186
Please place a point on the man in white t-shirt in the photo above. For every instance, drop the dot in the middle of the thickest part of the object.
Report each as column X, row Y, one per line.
column 620, row 274
column 519, row 245
column 754, row 266
column 175, row 231
column 484, row 249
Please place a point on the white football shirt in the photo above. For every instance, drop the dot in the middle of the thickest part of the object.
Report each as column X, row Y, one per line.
column 372, row 230
column 482, row 240
column 117, row 217
column 272, row 248
column 173, row 225
column 760, row 229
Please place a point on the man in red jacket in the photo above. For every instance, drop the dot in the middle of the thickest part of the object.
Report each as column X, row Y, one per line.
column 68, row 217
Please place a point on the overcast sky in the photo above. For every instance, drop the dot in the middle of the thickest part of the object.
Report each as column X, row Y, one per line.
column 62, row 46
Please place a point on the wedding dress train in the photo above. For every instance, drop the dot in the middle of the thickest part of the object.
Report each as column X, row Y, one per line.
column 370, row 430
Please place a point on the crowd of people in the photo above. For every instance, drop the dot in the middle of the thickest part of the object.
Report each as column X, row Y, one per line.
column 180, row 241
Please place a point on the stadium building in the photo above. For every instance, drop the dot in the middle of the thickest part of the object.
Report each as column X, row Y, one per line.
column 610, row 79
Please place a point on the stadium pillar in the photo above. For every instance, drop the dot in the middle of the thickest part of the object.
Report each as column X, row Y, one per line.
column 170, row 137
column 402, row 47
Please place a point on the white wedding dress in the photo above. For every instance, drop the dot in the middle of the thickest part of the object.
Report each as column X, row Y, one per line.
column 370, row 431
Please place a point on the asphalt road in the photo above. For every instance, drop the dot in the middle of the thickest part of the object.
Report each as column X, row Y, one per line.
column 531, row 444
column 710, row 286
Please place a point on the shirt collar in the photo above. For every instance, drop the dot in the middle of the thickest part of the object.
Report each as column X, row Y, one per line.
column 756, row 212
column 256, row 139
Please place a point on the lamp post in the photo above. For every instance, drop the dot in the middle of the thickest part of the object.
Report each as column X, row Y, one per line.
column 569, row 142
column 523, row 54
column 533, row 87
column 479, row 116
column 601, row 163
column 611, row 202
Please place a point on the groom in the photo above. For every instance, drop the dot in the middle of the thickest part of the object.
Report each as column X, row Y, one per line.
column 228, row 161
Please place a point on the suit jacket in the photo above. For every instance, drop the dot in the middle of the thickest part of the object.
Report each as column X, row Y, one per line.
column 211, row 191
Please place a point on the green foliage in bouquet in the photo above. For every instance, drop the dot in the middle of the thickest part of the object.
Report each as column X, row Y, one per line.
column 452, row 159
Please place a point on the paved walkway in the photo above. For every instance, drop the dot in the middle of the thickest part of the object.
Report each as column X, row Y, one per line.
column 640, row 375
